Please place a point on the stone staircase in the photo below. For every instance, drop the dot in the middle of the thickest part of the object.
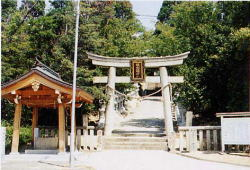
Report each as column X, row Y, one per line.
column 134, row 143
column 143, row 130
column 139, row 133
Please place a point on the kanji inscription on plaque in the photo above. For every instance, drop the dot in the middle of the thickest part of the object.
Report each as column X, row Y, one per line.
column 137, row 70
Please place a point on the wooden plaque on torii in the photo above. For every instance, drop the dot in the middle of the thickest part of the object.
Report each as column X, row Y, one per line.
column 137, row 71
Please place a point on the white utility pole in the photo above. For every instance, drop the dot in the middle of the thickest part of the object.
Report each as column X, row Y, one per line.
column 72, row 134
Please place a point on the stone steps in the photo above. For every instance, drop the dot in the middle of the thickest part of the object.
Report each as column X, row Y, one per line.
column 36, row 151
column 135, row 148
column 134, row 143
column 134, row 139
column 139, row 133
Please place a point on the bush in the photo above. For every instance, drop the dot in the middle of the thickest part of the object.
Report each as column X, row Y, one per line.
column 25, row 135
column 24, row 138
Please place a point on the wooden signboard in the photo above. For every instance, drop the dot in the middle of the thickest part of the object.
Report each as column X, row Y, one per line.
column 137, row 70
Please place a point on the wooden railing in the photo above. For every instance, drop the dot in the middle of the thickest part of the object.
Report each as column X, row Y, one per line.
column 203, row 138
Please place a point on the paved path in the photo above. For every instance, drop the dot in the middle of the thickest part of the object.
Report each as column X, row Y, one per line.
column 148, row 116
column 115, row 160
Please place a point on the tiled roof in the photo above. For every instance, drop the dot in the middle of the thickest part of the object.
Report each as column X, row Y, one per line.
column 38, row 64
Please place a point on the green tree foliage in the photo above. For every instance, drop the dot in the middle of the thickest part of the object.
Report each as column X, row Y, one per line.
column 8, row 7
column 166, row 10
column 216, row 33
column 106, row 28
column 216, row 71
column 234, row 14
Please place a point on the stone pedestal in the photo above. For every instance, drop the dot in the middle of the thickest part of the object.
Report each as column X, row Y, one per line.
column 85, row 121
column 36, row 135
column 189, row 118
column 171, row 141
column 34, row 121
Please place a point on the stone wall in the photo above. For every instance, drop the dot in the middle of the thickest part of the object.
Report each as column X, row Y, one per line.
column 2, row 140
column 46, row 143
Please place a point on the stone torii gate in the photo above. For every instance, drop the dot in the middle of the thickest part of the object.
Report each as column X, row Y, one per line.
column 148, row 62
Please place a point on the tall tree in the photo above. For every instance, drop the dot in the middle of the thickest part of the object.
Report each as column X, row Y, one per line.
column 215, row 62
column 106, row 28
column 166, row 10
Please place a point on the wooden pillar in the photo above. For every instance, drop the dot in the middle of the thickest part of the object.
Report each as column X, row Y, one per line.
column 61, row 127
column 34, row 121
column 16, row 130
column 110, row 106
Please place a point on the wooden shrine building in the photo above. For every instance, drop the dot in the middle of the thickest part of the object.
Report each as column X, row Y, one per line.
column 41, row 87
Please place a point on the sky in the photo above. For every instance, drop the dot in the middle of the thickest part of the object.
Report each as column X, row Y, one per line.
column 147, row 7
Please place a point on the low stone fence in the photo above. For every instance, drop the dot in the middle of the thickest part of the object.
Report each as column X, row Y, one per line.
column 203, row 138
column 87, row 138
column 46, row 138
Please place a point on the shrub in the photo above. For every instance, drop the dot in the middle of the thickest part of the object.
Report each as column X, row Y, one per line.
column 24, row 138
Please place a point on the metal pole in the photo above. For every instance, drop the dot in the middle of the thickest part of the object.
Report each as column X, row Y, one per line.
column 72, row 134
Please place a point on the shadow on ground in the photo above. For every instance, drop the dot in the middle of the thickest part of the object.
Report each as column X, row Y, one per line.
column 152, row 99
column 66, row 167
column 146, row 123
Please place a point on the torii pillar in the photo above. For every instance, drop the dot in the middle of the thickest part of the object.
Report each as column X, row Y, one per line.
column 168, row 118
column 110, row 106
column 166, row 100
